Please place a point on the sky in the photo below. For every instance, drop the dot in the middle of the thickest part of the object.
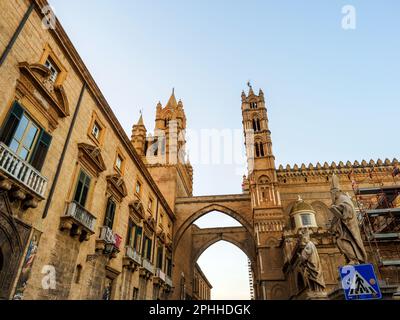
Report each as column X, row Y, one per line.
column 332, row 94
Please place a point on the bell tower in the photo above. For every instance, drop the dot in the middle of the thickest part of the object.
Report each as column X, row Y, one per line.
column 164, row 152
column 264, row 192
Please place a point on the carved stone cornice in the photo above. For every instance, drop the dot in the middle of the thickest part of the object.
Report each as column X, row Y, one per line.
column 116, row 186
column 35, row 85
column 137, row 209
column 91, row 156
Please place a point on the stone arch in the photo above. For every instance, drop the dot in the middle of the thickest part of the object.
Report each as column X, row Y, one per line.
column 207, row 209
column 232, row 240
column 11, row 250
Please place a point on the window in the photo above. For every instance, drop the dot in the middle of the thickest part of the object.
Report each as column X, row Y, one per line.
column 108, row 289
column 118, row 163
column 306, row 220
column 134, row 236
column 147, row 248
column 150, row 205
column 138, row 188
column 168, row 264
column 256, row 125
column 96, row 131
column 54, row 71
column 253, row 105
column 82, row 188
column 160, row 256
column 259, row 149
column 78, row 273
column 110, row 214
column 24, row 137
column 264, row 193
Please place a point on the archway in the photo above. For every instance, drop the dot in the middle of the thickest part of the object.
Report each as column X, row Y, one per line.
column 192, row 217
column 227, row 269
column 191, row 242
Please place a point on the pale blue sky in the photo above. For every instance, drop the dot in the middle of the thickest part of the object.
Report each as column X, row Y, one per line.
column 331, row 94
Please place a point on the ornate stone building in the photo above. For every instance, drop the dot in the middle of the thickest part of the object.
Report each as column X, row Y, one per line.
column 87, row 213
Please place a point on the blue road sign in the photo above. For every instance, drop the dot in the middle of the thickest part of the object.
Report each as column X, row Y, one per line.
column 359, row 282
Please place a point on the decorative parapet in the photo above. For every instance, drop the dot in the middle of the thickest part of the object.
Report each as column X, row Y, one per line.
column 340, row 169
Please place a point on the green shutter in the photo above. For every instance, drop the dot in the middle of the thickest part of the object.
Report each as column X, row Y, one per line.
column 11, row 124
column 41, row 149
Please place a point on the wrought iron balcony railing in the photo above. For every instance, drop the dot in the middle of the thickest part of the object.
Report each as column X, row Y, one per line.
column 20, row 170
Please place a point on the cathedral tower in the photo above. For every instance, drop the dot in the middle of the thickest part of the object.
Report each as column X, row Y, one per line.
column 164, row 152
column 264, row 192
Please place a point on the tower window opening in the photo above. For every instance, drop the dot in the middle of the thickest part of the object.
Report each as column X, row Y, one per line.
column 253, row 105
column 256, row 125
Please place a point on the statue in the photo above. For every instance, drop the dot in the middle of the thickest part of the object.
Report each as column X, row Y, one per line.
column 345, row 226
column 311, row 264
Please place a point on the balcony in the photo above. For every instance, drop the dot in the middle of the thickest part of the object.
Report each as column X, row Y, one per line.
column 18, row 176
column 79, row 221
column 160, row 274
column 147, row 269
column 108, row 242
column 133, row 256
column 168, row 281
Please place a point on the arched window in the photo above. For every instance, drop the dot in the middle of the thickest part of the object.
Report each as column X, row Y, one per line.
column 253, row 105
column 78, row 273
column 263, row 184
column 259, row 146
column 256, row 125
column 262, row 154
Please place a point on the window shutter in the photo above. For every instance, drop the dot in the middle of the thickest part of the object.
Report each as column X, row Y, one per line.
column 11, row 124
column 41, row 149
column 109, row 220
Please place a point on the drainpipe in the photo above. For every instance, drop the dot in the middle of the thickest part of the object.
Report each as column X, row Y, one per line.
column 64, row 151
column 155, row 235
column 16, row 34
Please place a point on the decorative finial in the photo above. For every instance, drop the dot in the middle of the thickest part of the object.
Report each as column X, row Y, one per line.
column 249, row 84
column 173, row 91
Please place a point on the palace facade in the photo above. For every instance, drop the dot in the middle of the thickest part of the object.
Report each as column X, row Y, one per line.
column 88, row 213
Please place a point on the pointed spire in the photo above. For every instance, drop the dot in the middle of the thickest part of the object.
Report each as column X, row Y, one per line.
column 172, row 100
column 140, row 122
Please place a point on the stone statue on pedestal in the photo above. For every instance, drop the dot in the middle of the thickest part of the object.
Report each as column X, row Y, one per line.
column 311, row 264
column 345, row 226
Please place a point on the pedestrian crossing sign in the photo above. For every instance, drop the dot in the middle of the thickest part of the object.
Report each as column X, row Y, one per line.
column 359, row 282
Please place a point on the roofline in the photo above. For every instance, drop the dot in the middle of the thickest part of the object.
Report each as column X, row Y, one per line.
column 202, row 274
column 92, row 86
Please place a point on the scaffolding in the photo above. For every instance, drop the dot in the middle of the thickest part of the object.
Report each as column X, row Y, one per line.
column 379, row 218
column 251, row 280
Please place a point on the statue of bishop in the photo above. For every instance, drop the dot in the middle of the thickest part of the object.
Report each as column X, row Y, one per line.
column 345, row 225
